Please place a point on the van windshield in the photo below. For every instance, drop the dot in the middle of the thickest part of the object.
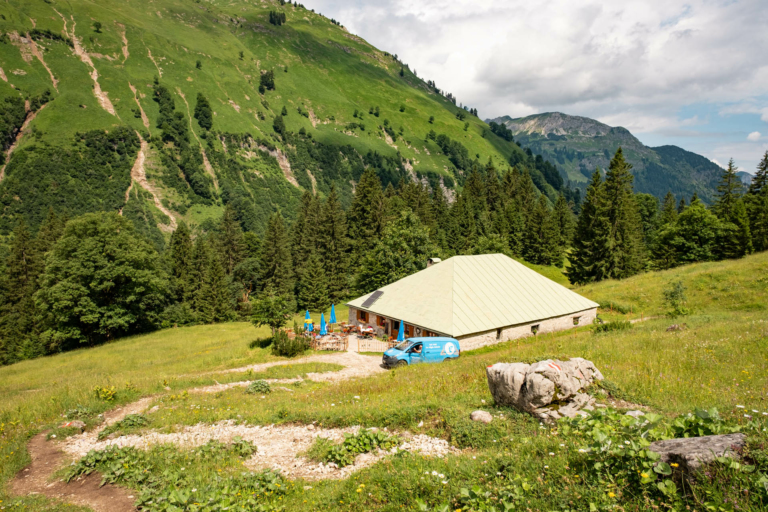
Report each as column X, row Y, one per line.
column 404, row 346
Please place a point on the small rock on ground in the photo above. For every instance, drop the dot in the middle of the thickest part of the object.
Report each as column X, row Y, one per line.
column 692, row 452
column 482, row 416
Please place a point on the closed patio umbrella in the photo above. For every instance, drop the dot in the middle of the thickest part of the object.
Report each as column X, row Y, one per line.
column 323, row 326
column 401, row 332
column 307, row 321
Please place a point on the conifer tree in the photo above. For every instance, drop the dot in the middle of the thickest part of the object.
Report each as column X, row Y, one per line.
column 757, row 206
column 333, row 245
column 625, row 252
column 197, row 272
column 313, row 290
column 668, row 209
column 681, row 206
column 17, row 314
column 203, row 112
column 462, row 234
column 565, row 221
column 214, row 303
column 276, row 261
column 590, row 235
column 181, row 254
column 304, row 232
column 735, row 239
column 366, row 215
column 231, row 244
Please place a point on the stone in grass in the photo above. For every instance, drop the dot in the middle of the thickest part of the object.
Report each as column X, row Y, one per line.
column 635, row 414
column 691, row 453
column 548, row 389
column 482, row 416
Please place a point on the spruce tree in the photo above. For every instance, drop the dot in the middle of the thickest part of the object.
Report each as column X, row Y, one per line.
column 735, row 239
column 333, row 245
column 276, row 261
column 231, row 243
column 197, row 272
column 757, row 206
column 17, row 314
column 181, row 254
column 313, row 289
column 304, row 232
column 565, row 221
column 366, row 215
column 462, row 234
column 625, row 251
column 590, row 236
column 668, row 210
column 203, row 112
column 213, row 301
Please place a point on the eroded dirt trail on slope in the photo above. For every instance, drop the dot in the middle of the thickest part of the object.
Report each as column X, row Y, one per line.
column 35, row 49
column 47, row 457
column 139, row 175
column 101, row 95
column 206, row 163
column 30, row 117
column 144, row 118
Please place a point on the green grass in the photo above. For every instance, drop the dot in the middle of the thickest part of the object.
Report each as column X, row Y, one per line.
column 720, row 360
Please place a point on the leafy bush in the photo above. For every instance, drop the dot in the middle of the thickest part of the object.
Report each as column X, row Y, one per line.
column 616, row 325
column 180, row 313
column 674, row 297
column 132, row 421
column 701, row 423
column 363, row 442
column 106, row 393
column 284, row 346
column 243, row 448
column 166, row 487
column 259, row 387
column 613, row 306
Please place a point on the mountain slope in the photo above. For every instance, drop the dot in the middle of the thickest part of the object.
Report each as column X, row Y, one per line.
column 578, row 145
column 137, row 76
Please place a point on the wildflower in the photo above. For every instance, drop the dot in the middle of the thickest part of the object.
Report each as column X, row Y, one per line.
column 747, row 416
column 357, row 397
column 194, row 490
column 552, row 454
column 644, row 475
column 582, row 450
column 740, row 406
column 675, row 464
column 441, row 475
column 626, row 442
column 434, row 473
column 611, row 495
column 754, row 410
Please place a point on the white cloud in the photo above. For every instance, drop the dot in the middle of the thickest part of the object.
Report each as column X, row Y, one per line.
column 754, row 136
column 598, row 57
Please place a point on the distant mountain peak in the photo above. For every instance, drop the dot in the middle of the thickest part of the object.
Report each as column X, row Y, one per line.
column 578, row 145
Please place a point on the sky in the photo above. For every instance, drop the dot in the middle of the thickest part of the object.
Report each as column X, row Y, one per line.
column 689, row 73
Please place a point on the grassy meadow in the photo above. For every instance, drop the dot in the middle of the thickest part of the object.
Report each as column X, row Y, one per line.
column 719, row 360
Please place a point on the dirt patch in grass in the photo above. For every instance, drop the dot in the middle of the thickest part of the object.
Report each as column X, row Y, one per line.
column 47, row 457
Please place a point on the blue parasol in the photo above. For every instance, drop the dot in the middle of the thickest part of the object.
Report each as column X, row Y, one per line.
column 323, row 326
column 332, row 319
column 307, row 321
column 401, row 332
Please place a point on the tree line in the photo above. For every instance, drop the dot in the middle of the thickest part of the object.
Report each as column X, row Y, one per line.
column 620, row 233
column 95, row 278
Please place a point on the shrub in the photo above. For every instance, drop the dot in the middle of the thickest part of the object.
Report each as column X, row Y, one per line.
column 617, row 325
column 132, row 421
column 284, row 346
column 106, row 393
column 258, row 387
column 674, row 297
column 363, row 442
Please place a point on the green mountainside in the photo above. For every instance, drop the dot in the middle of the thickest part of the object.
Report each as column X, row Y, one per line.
column 116, row 99
column 577, row 145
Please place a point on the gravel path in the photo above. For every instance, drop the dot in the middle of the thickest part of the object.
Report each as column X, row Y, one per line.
column 279, row 446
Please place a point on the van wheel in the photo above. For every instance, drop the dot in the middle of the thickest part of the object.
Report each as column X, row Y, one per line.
column 401, row 363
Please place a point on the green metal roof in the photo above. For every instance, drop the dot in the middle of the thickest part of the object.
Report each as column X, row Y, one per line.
column 471, row 294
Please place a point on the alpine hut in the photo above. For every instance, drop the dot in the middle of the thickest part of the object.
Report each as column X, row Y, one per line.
column 479, row 300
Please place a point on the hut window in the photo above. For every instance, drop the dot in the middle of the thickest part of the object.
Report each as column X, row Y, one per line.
column 535, row 329
column 362, row 316
column 380, row 321
column 576, row 320
column 498, row 334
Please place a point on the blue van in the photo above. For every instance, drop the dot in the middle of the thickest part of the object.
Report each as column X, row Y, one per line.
column 421, row 350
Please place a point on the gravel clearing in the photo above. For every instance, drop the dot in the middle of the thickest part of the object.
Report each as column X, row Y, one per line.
column 279, row 446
